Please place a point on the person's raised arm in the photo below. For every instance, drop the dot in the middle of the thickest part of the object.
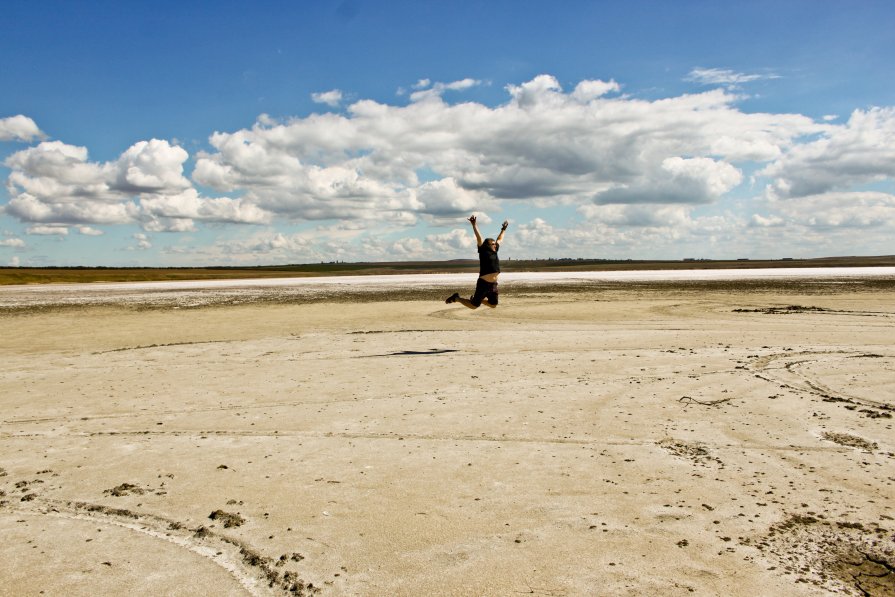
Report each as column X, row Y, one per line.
column 503, row 228
column 478, row 236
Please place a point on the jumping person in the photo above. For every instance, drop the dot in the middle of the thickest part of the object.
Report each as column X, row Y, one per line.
column 489, row 270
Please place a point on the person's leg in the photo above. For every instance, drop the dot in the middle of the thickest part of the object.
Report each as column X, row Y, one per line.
column 468, row 303
column 482, row 290
column 491, row 297
column 456, row 298
column 473, row 302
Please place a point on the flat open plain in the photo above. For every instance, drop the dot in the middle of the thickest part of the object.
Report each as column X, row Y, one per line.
column 638, row 438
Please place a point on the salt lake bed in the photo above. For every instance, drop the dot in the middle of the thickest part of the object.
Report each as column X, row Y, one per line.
column 596, row 434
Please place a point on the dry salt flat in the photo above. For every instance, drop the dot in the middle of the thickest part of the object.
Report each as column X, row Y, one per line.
column 614, row 434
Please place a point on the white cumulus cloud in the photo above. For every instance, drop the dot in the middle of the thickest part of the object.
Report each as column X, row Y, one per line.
column 451, row 243
column 331, row 98
column 842, row 210
column 445, row 197
column 437, row 90
column 151, row 167
column 56, row 184
column 586, row 91
column 860, row 151
column 19, row 128
column 542, row 145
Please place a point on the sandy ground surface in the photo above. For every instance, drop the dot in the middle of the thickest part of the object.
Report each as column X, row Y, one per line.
column 633, row 439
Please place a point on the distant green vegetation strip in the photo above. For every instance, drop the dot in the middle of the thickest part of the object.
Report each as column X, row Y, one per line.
column 69, row 275
column 74, row 275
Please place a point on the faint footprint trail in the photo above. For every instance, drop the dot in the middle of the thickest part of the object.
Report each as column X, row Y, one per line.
column 792, row 370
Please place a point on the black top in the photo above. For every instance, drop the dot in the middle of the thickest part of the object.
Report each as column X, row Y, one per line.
column 488, row 261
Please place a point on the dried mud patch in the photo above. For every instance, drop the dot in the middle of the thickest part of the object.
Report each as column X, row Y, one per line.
column 695, row 452
column 851, row 558
column 788, row 310
column 851, row 441
column 125, row 489
column 228, row 519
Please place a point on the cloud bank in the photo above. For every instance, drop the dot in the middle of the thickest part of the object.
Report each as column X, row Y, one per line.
column 636, row 172
column 55, row 184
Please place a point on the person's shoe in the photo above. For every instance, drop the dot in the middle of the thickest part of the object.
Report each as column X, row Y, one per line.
column 453, row 298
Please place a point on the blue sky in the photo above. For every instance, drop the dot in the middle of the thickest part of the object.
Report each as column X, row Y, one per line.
column 235, row 133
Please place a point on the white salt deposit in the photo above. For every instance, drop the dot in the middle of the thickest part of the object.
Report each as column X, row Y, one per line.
column 199, row 292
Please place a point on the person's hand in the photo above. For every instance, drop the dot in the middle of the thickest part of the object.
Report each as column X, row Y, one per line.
column 505, row 225
column 472, row 220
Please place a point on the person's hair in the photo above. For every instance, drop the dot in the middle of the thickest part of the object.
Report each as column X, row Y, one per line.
column 487, row 240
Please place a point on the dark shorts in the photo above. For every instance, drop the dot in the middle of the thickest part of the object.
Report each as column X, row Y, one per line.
column 484, row 290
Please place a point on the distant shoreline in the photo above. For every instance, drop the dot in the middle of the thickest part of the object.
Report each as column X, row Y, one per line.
column 167, row 294
column 82, row 274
